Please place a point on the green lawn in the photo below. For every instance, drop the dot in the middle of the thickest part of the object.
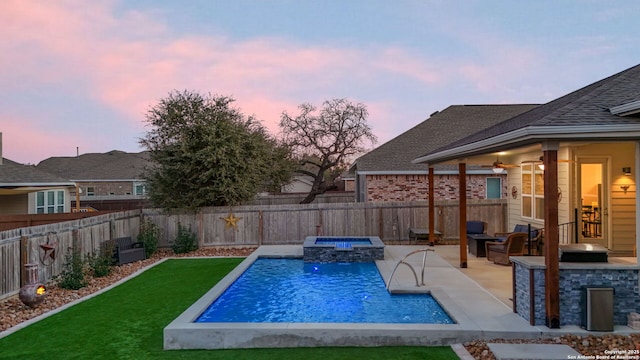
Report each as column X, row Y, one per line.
column 127, row 321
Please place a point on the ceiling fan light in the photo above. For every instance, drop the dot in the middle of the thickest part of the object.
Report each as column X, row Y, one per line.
column 497, row 170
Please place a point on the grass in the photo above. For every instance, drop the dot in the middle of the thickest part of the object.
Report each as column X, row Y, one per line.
column 127, row 322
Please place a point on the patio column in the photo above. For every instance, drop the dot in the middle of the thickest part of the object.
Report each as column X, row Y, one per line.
column 551, row 235
column 462, row 175
column 432, row 210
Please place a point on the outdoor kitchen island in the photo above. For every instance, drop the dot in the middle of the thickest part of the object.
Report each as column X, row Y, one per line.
column 617, row 274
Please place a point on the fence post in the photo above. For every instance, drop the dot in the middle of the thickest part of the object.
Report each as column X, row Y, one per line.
column 24, row 258
column 74, row 240
column 200, row 225
column 260, row 228
column 380, row 224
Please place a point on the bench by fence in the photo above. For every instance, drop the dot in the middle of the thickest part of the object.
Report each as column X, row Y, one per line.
column 125, row 250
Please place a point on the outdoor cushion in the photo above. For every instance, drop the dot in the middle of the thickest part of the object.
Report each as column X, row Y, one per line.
column 519, row 228
column 475, row 227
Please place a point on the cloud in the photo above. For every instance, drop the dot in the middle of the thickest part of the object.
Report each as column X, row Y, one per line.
column 121, row 62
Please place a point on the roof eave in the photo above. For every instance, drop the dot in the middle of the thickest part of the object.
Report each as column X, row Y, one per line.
column 528, row 135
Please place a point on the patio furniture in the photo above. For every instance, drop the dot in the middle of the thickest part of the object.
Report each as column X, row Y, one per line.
column 125, row 250
column 534, row 240
column 477, row 236
column 416, row 234
column 499, row 252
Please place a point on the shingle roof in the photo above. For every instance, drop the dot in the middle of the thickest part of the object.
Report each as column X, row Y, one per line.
column 112, row 165
column 444, row 127
column 15, row 174
column 587, row 107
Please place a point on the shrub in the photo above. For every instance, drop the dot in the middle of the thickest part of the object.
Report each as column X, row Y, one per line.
column 149, row 235
column 185, row 241
column 100, row 263
column 72, row 275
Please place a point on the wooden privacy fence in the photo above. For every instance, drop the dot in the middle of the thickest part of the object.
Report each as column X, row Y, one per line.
column 291, row 224
column 8, row 222
column 23, row 245
column 254, row 226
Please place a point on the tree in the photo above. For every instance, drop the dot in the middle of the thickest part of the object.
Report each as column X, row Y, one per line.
column 326, row 139
column 206, row 153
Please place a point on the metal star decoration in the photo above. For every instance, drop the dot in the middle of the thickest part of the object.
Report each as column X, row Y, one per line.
column 49, row 251
column 231, row 221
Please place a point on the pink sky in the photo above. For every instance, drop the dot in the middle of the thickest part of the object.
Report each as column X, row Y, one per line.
column 83, row 74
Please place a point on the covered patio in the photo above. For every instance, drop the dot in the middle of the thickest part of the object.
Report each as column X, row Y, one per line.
column 572, row 166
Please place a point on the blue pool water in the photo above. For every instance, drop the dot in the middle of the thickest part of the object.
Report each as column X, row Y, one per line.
column 290, row 290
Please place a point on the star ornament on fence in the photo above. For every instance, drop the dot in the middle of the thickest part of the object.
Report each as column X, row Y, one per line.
column 49, row 251
column 231, row 221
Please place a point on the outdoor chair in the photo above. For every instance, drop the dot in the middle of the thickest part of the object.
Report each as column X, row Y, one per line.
column 499, row 252
column 476, row 227
column 535, row 236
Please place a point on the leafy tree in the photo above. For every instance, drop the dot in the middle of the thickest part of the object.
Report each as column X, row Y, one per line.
column 326, row 139
column 206, row 153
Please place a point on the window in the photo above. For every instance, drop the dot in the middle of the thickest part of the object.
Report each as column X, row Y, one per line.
column 494, row 188
column 140, row 189
column 532, row 192
column 91, row 191
column 49, row 202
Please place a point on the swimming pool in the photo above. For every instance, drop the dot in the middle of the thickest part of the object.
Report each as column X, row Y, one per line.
column 293, row 291
column 185, row 333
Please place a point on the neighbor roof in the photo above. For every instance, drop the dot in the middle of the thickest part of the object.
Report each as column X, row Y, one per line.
column 441, row 128
column 583, row 114
column 112, row 165
column 13, row 175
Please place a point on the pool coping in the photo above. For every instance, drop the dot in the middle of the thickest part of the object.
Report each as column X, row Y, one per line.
column 475, row 321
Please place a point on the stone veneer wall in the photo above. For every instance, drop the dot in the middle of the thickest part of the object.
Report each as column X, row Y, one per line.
column 416, row 187
column 331, row 255
column 623, row 281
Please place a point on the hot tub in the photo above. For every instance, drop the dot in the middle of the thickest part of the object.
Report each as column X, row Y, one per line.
column 343, row 249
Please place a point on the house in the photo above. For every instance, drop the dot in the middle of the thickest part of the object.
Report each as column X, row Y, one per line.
column 107, row 181
column 24, row 189
column 298, row 184
column 576, row 166
column 387, row 173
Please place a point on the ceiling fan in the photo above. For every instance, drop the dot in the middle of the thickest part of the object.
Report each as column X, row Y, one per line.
column 499, row 165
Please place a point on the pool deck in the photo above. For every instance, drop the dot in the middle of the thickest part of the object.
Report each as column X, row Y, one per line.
column 479, row 313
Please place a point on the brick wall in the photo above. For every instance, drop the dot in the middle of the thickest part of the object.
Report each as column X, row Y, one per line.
column 108, row 188
column 416, row 187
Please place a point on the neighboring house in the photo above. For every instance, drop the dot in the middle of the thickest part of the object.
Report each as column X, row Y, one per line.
column 26, row 190
column 595, row 134
column 388, row 174
column 299, row 184
column 108, row 181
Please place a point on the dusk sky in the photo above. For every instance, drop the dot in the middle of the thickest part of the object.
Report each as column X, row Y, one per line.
column 82, row 74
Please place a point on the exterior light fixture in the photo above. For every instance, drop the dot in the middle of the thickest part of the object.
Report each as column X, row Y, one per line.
column 624, row 188
column 626, row 170
column 541, row 167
